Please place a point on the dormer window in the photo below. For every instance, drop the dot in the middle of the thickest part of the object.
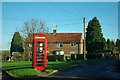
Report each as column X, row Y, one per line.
column 73, row 44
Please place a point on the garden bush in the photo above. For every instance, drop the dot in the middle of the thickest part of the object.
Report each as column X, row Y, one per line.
column 55, row 57
column 67, row 58
column 73, row 56
column 80, row 56
column 16, row 57
column 77, row 57
column 5, row 55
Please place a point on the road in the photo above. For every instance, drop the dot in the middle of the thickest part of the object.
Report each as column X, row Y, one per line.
column 92, row 70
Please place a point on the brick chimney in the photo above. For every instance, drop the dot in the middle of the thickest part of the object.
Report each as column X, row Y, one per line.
column 54, row 32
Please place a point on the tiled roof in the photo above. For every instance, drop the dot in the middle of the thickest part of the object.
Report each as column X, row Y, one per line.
column 64, row 37
column 60, row 37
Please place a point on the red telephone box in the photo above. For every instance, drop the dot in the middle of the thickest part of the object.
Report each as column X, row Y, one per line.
column 39, row 51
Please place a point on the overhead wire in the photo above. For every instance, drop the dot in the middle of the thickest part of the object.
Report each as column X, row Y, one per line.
column 65, row 10
column 69, row 24
column 55, row 20
column 60, row 20
column 76, row 9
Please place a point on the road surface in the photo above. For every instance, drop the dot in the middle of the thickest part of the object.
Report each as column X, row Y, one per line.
column 93, row 70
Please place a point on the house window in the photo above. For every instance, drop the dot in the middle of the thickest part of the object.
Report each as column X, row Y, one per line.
column 59, row 44
column 73, row 44
column 59, row 52
column 30, row 45
column 72, row 52
column 30, row 53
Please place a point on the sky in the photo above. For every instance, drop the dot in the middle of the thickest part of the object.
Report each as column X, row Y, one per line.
column 68, row 16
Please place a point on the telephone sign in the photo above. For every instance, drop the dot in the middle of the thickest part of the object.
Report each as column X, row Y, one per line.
column 39, row 51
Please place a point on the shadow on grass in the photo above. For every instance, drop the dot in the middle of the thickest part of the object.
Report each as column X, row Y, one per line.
column 55, row 66
column 31, row 76
column 8, row 68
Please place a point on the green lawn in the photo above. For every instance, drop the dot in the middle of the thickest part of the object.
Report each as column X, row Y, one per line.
column 24, row 68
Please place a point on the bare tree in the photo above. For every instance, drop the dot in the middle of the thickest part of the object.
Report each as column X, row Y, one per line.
column 33, row 26
column 28, row 29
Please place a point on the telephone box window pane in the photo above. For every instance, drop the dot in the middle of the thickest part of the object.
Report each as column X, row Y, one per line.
column 40, row 58
column 41, row 44
column 40, row 65
column 40, row 55
column 41, row 48
column 39, row 51
column 40, row 61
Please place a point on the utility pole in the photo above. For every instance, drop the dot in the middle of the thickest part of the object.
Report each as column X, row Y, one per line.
column 84, row 41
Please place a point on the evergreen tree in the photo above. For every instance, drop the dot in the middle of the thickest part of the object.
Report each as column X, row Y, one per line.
column 104, row 44
column 118, row 45
column 16, row 44
column 109, row 45
column 95, row 41
column 112, row 45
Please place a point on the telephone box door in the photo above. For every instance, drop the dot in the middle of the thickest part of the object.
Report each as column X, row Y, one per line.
column 39, row 52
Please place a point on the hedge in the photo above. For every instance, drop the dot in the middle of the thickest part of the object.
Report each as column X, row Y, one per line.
column 94, row 56
column 55, row 57
column 78, row 56
column 72, row 56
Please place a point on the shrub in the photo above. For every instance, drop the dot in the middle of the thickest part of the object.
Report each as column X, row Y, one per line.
column 5, row 55
column 17, row 57
column 72, row 56
column 80, row 56
column 55, row 57
column 60, row 57
column 67, row 58
column 94, row 56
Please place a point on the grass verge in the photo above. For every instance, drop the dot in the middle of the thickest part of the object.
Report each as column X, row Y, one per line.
column 24, row 68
